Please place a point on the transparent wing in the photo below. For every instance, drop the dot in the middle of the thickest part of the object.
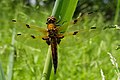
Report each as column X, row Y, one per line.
column 84, row 27
column 30, row 35
column 80, row 19
column 82, row 34
column 34, row 41
column 25, row 27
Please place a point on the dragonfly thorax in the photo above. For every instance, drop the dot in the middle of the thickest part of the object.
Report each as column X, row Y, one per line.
column 52, row 33
column 51, row 26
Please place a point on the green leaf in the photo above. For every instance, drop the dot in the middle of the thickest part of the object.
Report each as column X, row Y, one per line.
column 2, row 76
column 65, row 10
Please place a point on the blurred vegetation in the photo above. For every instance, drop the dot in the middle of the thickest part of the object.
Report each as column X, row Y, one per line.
column 81, row 57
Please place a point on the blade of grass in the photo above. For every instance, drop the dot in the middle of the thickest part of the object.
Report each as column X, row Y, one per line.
column 11, row 57
column 48, row 66
column 64, row 9
column 117, row 12
column 2, row 76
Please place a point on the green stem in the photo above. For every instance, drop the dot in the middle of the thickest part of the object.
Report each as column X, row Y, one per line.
column 48, row 62
column 63, row 9
column 11, row 57
column 117, row 12
column 2, row 76
column 48, row 66
column 56, row 8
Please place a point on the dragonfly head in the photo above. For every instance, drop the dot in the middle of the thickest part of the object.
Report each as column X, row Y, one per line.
column 51, row 20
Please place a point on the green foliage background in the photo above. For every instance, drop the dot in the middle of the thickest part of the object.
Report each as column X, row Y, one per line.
column 81, row 57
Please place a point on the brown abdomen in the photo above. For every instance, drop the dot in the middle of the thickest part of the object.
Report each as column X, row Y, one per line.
column 54, row 53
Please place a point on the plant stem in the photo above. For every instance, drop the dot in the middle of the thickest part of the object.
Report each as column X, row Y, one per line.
column 48, row 62
column 2, row 76
column 117, row 12
column 65, row 10
column 11, row 57
column 48, row 66
column 57, row 8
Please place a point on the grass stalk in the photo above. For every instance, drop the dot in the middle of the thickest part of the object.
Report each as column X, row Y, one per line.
column 48, row 66
column 117, row 12
column 11, row 57
column 63, row 9
column 2, row 76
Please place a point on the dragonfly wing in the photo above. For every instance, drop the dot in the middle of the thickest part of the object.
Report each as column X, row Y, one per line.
column 82, row 35
column 30, row 35
column 74, row 22
column 25, row 27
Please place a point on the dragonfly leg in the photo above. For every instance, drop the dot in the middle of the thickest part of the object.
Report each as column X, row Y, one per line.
column 58, row 41
column 47, row 39
column 48, row 42
column 58, row 20
column 59, row 37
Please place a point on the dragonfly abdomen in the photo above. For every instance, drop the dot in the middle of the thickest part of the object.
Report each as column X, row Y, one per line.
column 54, row 53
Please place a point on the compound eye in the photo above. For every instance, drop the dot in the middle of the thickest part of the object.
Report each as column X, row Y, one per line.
column 48, row 19
column 54, row 19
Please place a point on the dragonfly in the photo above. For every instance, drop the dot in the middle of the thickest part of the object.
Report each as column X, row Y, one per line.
column 53, row 35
